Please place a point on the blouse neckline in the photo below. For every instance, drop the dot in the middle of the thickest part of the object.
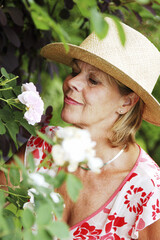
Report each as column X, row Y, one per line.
column 113, row 195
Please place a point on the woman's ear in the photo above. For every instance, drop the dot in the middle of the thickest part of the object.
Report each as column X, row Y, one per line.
column 128, row 102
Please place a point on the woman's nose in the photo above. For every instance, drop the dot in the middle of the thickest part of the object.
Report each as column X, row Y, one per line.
column 77, row 82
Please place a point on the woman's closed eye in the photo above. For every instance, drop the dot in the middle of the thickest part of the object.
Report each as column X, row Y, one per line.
column 93, row 82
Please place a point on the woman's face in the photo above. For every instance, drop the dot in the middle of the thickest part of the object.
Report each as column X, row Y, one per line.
column 89, row 98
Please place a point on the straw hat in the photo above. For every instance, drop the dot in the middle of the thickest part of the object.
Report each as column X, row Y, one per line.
column 137, row 64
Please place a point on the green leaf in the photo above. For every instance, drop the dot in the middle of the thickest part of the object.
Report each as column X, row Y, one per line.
column 11, row 200
column 74, row 186
column 11, row 207
column 13, row 129
column 120, row 30
column 39, row 21
column 45, row 138
column 19, row 118
column 17, row 90
column 22, row 196
column 28, row 235
column 21, row 165
column 58, row 229
column 10, row 222
column 59, row 179
column 85, row 6
column 6, row 114
column 43, row 234
column 44, row 215
column 14, row 176
column 43, row 21
column 99, row 25
column 8, row 213
column 2, row 128
column 143, row 2
column 2, row 199
column 4, row 73
column 27, row 218
column 31, row 162
column 8, row 94
column 58, row 208
column 4, row 228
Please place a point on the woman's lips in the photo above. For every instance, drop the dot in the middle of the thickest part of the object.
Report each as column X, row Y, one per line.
column 71, row 101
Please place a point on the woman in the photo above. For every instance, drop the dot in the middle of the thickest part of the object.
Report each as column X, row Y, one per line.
column 108, row 93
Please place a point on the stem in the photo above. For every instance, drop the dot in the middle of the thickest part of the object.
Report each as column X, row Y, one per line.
column 5, row 89
column 14, row 194
column 4, row 100
column 15, row 106
column 9, row 166
column 10, row 102
column 8, row 80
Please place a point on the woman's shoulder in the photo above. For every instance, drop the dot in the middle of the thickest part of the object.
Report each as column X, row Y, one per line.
column 141, row 193
column 147, row 167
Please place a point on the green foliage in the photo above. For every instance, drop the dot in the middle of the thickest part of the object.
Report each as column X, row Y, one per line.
column 73, row 186
column 42, row 22
column 55, row 228
column 59, row 179
column 38, row 219
column 11, row 110
column 14, row 176
column 99, row 26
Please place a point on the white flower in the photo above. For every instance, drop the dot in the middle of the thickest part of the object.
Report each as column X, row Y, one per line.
column 72, row 167
column 95, row 164
column 30, row 204
column 75, row 147
column 76, row 143
column 30, row 193
column 29, row 87
column 58, row 155
column 34, row 105
column 55, row 197
column 73, row 132
column 38, row 179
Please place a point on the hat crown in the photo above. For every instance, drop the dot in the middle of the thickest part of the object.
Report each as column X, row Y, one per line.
column 138, row 58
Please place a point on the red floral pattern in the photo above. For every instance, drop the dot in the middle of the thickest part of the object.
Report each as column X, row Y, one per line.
column 134, row 206
column 114, row 223
column 156, row 210
column 85, row 231
column 111, row 236
column 40, row 148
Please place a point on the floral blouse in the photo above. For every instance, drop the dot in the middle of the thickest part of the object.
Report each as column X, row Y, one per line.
column 133, row 206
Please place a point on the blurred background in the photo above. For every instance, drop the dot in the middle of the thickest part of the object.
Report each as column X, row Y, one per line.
column 27, row 25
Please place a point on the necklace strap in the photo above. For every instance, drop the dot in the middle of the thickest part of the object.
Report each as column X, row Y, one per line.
column 113, row 159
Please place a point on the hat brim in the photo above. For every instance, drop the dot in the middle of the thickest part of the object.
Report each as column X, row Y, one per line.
column 57, row 52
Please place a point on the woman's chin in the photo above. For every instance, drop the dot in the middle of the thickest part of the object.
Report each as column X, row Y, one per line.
column 68, row 118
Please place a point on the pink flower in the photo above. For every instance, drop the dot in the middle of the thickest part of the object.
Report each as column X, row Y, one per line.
column 34, row 106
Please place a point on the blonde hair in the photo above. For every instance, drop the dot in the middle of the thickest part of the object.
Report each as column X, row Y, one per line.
column 124, row 129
